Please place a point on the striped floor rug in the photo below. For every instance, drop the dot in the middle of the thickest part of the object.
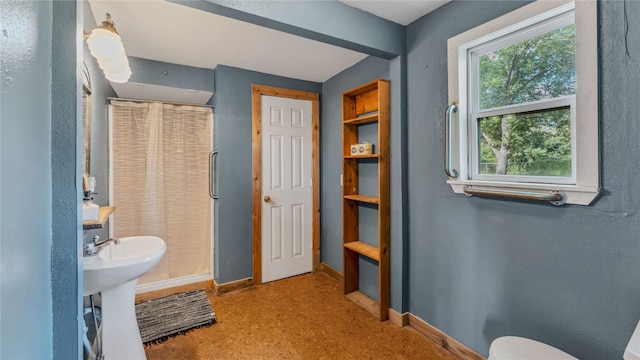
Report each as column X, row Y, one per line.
column 161, row 318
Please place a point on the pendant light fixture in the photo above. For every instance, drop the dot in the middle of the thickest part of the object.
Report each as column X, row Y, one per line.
column 106, row 46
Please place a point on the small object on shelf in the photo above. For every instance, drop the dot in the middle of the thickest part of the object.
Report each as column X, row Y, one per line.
column 90, row 211
column 362, row 149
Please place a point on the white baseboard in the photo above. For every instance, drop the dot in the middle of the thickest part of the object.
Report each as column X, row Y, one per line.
column 165, row 284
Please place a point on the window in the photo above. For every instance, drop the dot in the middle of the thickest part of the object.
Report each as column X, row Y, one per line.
column 525, row 86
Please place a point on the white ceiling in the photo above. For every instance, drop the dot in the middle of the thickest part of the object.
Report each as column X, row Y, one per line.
column 403, row 12
column 173, row 33
column 168, row 32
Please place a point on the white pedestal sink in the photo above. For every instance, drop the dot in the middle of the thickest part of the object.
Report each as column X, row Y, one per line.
column 114, row 273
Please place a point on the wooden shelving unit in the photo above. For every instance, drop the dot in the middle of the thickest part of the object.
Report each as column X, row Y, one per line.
column 366, row 104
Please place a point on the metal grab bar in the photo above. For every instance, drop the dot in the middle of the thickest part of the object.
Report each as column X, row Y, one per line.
column 554, row 197
column 212, row 183
column 452, row 173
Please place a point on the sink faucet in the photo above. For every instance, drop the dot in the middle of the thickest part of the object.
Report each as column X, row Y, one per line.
column 96, row 245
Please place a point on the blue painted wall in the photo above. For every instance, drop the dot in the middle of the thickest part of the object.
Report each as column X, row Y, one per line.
column 482, row 268
column 39, row 177
column 25, row 181
column 232, row 138
column 66, row 167
column 398, row 182
column 166, row 74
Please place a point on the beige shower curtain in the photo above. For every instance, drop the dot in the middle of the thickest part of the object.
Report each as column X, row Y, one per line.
column 160, row 168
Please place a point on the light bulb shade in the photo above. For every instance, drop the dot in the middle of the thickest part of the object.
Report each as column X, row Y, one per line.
column 121, row 76
column 114, row 65
column 106, row 46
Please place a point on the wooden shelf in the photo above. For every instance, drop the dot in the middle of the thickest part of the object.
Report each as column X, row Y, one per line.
column 369, row 87
column 365, row 249
column 362, row 120
column 362, row 198
column 370, row 156
column 368, row 103
column 103, row 215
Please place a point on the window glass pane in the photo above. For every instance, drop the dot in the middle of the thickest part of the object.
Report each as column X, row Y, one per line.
column 542, row 67
column 531, row 144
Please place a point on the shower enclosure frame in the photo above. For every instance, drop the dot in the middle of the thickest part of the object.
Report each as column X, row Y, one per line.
column 184, row 280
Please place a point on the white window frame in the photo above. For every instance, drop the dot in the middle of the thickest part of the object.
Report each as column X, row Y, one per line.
column 583, row 186
column 559, row 102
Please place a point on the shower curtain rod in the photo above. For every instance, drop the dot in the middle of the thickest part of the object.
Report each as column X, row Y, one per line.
column 164, row 102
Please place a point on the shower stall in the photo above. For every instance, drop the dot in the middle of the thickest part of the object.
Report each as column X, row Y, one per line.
column 161, row 185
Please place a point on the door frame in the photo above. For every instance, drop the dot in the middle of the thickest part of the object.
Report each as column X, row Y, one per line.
column 256, row 171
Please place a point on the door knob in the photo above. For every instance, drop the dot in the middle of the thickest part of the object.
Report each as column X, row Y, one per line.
column 267, row 199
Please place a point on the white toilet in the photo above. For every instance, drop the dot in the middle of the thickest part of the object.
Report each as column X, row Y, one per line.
column 518, row 348
column 513, row 347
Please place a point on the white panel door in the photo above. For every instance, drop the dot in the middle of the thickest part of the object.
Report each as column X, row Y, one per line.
column 286, row 187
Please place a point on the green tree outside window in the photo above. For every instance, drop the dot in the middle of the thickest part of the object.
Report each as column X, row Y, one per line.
column 537, row 143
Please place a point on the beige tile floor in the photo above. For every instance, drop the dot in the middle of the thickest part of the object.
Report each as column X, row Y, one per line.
column 303, row 317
